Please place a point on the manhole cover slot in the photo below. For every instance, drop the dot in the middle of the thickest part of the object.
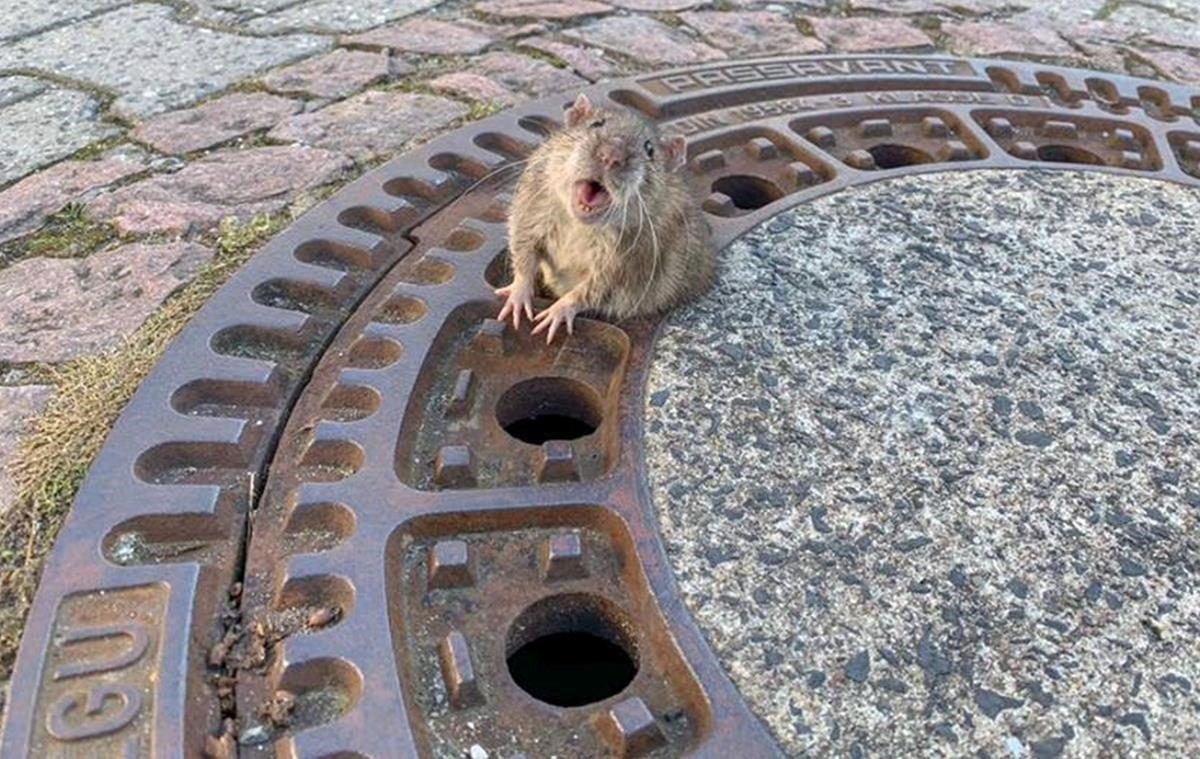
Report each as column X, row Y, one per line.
column 893, row 156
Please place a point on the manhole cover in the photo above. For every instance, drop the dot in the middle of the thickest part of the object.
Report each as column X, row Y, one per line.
column 350, row 514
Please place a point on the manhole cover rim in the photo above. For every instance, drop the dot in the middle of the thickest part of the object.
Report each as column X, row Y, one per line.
column 135, row 476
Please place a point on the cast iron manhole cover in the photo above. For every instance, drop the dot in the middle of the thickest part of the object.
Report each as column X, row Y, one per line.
column 356, row 516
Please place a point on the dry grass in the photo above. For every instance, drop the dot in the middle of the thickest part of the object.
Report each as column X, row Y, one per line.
column 89, row 394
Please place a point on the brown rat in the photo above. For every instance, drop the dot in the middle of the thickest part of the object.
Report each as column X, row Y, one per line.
column 603, row 214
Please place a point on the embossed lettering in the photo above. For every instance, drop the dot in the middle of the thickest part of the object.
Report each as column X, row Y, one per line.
column 59, row 726
column 139, row 641
column 718, row 75
column 101, row 675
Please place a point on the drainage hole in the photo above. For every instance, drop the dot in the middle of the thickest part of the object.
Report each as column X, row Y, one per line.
column 894, row 156
column 747, row 192
column 549, row 408
column 1067, row 154
column 571, row 650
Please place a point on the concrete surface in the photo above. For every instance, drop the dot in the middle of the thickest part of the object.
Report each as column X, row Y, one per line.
column 926, row 465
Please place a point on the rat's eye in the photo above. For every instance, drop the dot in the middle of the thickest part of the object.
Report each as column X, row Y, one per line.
column 596, row 124
column 649, row 146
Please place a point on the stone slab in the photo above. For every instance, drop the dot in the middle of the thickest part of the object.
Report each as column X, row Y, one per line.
column 1033, row 37
column 239, row 183
column 19, row 405
column 424, row 35
column 338, row 15
column 751, row 33
column 645, row 40
column 860, row 34
column 469, row 86
column 925, row 467
column 1159, row 27
column 589, row 63
column 656, row 6
column 47, row 127
column 25, row 205
column 25, row 17
column 16, row 88
column 216, row 121
column 55, row 310
column 371, row 124
column 151, row 60
column 542, row 9
column 336, row 74
column 1173, row 64
column 521, row 73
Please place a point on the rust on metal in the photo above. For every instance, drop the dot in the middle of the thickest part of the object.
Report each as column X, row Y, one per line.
column 418, row 501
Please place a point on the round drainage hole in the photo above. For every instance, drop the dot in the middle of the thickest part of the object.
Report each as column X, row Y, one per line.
column 894, row 156
column 571, row 668
column 571, row 650
column 747, row 192
column 549, row 408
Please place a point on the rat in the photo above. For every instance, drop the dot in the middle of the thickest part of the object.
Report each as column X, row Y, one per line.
column 603, row 214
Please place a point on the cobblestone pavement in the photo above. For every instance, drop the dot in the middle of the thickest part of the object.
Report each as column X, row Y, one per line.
column 129, row 131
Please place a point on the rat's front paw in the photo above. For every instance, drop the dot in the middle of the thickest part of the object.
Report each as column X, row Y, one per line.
column 562, row 313
column 518, row 297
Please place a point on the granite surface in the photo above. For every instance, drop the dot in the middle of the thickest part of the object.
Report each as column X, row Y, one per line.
column 926, row 467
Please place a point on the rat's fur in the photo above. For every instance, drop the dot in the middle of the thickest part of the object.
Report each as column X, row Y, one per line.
column 648, row 251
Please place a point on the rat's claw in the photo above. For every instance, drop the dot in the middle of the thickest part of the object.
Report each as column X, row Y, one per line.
column 562, row 313
column 518, row 298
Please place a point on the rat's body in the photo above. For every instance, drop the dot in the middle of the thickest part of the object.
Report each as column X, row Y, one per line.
column 604, row 216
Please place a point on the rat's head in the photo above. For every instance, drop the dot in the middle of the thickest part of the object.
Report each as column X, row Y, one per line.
column 617, row 160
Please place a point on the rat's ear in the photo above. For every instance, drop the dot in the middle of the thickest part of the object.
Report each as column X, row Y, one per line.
column 674, row 152
column 580, row 111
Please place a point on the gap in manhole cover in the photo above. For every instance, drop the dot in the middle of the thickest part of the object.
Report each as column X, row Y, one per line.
column 444, row 511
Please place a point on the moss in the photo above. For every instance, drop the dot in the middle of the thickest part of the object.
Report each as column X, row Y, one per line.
column 97, row 149
column 483, row 110
column 67, row 234
column 89, row 394
column 542, row 55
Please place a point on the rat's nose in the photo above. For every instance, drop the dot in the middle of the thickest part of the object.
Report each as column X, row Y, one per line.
column 611, row 156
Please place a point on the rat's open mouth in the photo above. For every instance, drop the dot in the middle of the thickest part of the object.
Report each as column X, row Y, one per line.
column 591, row 198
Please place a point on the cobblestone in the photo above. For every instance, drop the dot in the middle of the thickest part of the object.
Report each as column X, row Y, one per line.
column 645, row 40
column 1158, row 27
column 750, row 33
column 589, row 63
column 370, row 124
column 55, row 310
column 46, row 127
column 150, row 60
column 18, row 407
column 656, row 6
column 338, row 15
column 15, row 88
column 424, row 36
column 538, row 9
column 464, row 84
column 214, row 122
column 856, row 35
column 986, row 38
column 336, row 74
column 25, row 205
column 24, row 17
column 524, row 74
column 241, row 183
column 1181, row 67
